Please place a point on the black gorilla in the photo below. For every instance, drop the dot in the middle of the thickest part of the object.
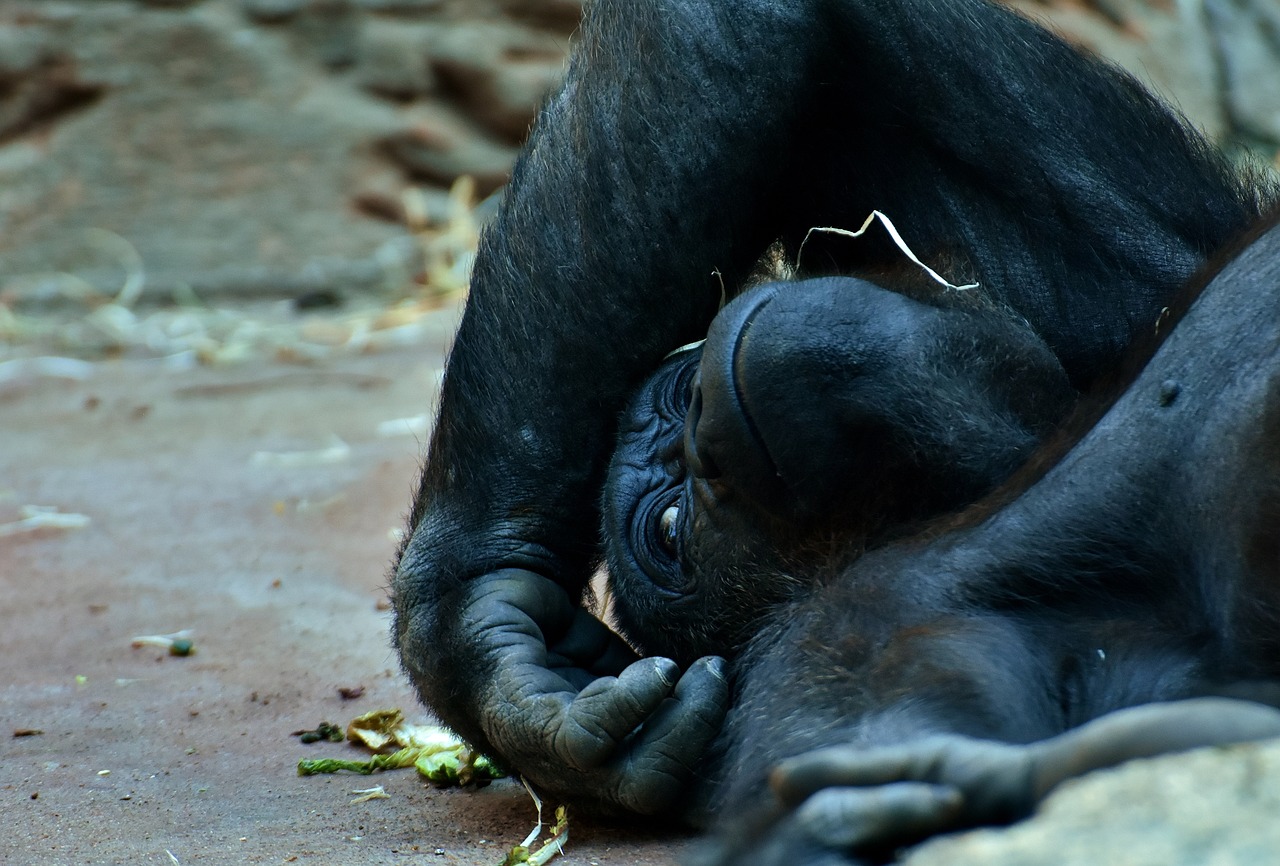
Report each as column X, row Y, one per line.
column 690, row 136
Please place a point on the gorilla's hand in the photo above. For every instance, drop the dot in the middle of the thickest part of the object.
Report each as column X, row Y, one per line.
column 568, row 705
column 850, row 799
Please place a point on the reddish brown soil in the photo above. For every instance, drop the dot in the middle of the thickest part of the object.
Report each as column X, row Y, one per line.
column 151, row 759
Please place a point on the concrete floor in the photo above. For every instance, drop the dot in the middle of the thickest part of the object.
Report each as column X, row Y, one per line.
column 280, row 572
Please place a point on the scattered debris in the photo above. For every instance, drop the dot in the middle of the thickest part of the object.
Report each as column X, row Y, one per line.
column 417, row 425
column 189, row 333
column 366, row 794
column 306, row 506
column 45, row 367
column 178, row 644
column 36, row 517
column 350, row 693
column 552, row 847
column 324, row 731
column 438, row 755
column 27, row 732
column 336, row 452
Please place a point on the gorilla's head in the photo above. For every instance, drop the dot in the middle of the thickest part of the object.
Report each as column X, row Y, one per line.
column 818, row 418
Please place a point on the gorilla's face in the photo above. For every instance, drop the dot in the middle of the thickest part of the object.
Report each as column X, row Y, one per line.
column 683, row 550
column 818, row 417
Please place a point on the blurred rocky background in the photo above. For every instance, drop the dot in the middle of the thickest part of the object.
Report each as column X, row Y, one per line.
column 178, row 151
column 182, row 179
column 200, row 151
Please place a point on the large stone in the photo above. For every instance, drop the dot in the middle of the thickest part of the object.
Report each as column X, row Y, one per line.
column 241, row 147
column 248, row 146
column 1213, row 807
column 191, row 137
column 1247, row 38
column 394, row 62
column 498, row 74
column 442, row 144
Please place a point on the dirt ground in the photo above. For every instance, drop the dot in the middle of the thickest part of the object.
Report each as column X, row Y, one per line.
column 280, row 571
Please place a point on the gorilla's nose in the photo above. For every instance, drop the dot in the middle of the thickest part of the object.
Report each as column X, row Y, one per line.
column 768, row 413
column 718, row 430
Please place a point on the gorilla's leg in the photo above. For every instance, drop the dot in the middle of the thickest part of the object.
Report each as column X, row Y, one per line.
column 1141, row 568
column 689, row 135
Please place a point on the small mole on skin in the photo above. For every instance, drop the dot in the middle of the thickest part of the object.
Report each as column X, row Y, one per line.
column 1169, row 391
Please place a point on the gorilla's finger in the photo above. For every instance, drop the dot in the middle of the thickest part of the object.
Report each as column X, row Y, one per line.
column 797, row 778
column 610, row 709
column 848, row 818
column 665, row 752
column 982, row 769
column 1149, row 730
column 590, row 645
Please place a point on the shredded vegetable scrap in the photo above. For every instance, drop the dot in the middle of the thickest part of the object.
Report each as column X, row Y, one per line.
column 36, row 517
column 336, row 452
column 178, row 643
column 323, row 731
column 377, row 792
column 438, row 755
column 555, row 845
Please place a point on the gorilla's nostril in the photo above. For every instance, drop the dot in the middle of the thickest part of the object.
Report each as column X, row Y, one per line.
column 697, row 456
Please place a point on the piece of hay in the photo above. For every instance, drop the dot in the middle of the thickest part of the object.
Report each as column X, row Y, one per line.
column 897, row 239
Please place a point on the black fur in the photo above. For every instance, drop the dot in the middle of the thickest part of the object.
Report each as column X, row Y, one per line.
column 691, row 135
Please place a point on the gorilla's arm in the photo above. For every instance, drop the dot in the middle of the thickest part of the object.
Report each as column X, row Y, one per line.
column 848, row 798
column 644, row 175
column 688, row 135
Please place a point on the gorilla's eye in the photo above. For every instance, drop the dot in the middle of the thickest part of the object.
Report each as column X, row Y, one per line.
column 668, row 528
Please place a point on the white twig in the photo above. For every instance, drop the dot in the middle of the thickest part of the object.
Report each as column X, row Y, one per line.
column 897, row 239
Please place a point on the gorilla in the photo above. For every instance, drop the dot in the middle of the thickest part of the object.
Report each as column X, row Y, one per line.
column 889, row 573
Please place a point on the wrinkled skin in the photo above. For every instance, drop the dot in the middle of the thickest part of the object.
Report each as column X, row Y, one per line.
column 689, row 136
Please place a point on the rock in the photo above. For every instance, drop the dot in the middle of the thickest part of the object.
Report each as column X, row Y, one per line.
column 393, row 61
column 497, row 74
column 444, row 144
column 559, row 15
column 202, row 144
column 39, row 89
column 1212, row 807
column 1246, row 35
column 329, row 32
column 408, row 8
column 273, row 11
